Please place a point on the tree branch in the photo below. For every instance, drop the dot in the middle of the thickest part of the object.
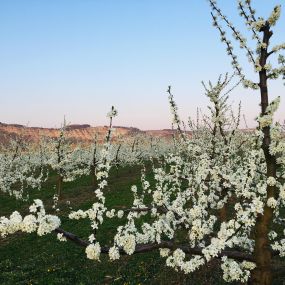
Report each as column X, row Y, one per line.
column 143, row 248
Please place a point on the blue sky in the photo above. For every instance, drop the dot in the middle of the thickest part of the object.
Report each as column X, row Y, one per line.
column 79, row 57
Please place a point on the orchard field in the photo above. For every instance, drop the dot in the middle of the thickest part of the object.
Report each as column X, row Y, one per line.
column 203, row 206
column 26, row 259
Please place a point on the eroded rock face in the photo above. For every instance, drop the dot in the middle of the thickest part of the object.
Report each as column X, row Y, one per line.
column 78, row 133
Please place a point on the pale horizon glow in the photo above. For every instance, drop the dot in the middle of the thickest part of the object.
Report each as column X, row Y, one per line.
column 78, row 58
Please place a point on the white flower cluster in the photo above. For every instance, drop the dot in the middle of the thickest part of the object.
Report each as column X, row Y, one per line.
column 112, row 113
column 173, row 108
column 271, row 181
column 279, row 245
column 21, row 168
column 266, row 120
column 275, row 15
column 93, row 251
column 236, row 271
column 271, row 202
column 114, row 253
column 61, row 237
column 177, row 261
column 257, row 25
column 127, row 242
column 39, row 222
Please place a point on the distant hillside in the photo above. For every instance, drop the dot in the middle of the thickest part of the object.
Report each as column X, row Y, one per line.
column 79, row 133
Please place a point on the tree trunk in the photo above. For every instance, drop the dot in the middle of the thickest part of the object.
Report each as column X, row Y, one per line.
column 94, row 177
column 59, row 186
column 223, row 214
column 262, row 274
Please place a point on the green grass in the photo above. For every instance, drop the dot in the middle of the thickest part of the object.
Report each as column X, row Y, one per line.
column 30, row 259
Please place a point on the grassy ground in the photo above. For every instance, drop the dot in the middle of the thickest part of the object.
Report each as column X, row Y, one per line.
column 29, row 259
